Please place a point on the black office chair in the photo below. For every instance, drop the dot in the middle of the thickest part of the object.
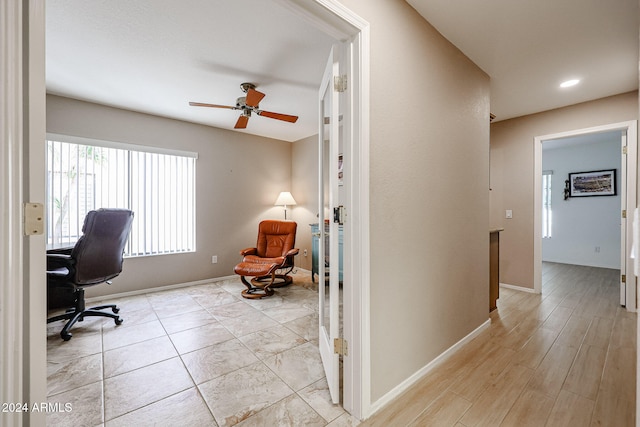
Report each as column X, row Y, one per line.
column 96, row 258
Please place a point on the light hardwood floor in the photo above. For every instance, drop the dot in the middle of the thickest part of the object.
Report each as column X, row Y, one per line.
column 563, row 358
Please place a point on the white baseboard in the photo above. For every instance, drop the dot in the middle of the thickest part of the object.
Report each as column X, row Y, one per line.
column 518, row 288
column 403, row 386
column 161, row 288
column 169, row 287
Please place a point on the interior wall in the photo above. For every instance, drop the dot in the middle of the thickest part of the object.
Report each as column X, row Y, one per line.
column 585, row 230
column 304, row 187
column 512, row 176
column 429, row 204
column 238, row 178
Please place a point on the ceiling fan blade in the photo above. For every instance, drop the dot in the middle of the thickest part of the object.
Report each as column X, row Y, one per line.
column 201, row 104
column 242, row 122
column 278, row 116
column 253, row 97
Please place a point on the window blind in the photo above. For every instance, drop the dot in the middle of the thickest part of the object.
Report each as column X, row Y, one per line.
column 159, row 187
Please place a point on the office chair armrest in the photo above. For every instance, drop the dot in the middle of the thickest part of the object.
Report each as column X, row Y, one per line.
column 292, row 252
column 249, row 251
column 58, row 261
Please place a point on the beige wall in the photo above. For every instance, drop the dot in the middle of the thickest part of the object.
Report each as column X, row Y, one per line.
column 238, row 179
column 512, row 177
column 304, row 187
column 429, row 193
column 429, row 190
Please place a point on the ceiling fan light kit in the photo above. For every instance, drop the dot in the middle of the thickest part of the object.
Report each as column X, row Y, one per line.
column 249, row 104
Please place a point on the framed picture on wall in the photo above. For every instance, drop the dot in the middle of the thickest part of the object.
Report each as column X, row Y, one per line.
column 593, row 183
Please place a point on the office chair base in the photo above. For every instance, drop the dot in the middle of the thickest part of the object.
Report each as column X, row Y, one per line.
column 259, row 289
column 79, row 312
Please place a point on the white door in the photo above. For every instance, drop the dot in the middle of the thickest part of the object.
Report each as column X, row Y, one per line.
column 623, row 222
column 329, row 253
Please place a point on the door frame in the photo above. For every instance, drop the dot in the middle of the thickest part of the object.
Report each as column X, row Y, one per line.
column 24, row 25
column 631, row 128
column 336, row 20
column 22, row 125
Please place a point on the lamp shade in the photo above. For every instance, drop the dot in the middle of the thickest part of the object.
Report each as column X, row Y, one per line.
column 285, row 198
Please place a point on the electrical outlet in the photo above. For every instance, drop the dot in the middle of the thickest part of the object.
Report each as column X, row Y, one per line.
column 304, row 252
column 597, row 249
column 214, row 259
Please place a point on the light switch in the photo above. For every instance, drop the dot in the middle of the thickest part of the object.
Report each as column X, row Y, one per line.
column 508, row 214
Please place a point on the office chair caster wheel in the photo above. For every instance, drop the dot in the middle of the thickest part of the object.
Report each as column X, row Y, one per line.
column 119, row 321
column 115, row 309
column 66, row 336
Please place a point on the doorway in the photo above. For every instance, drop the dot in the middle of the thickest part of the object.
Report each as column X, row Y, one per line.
column 626, row 133
column 337, row 21
column 329, row 15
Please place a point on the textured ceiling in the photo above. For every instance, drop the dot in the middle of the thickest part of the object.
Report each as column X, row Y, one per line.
column 155, row 56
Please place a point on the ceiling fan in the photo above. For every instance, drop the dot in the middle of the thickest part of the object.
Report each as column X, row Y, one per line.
column 249, row 104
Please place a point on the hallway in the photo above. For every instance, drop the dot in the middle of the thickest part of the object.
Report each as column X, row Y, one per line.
column 563, row 358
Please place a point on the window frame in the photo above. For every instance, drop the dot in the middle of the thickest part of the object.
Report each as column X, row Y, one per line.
column 547, row 201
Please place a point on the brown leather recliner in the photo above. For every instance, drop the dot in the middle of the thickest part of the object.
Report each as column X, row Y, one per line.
column 270, row 262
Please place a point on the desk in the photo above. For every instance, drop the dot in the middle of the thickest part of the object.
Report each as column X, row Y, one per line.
column 315, row 249
column 60, row 249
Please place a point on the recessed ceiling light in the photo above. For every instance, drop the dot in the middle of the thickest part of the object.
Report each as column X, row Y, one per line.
column 570, row 83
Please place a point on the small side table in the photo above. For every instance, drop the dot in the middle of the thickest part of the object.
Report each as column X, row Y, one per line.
column 315, row 249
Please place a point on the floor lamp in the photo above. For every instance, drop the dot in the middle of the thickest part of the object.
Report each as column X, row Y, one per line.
column 285, row 198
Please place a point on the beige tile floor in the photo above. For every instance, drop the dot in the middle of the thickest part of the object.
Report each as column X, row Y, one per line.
column 197, row 356
column 563, row 358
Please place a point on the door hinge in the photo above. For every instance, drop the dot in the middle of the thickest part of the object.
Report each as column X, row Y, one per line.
column 623, row 278
column 33, row 220
column 624, row 213
column 624, row 150
column 340, row 83
column 340, row 346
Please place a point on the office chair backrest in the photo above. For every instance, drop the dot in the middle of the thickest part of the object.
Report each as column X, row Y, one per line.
column 276, row 238
column 98, row 254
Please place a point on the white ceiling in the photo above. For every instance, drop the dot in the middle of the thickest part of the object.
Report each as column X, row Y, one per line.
column 155, row 56
column 613, row 136
column 529, row 47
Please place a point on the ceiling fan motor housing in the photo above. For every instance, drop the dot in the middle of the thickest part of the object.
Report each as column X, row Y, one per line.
column 246, row 86
column 241, row 103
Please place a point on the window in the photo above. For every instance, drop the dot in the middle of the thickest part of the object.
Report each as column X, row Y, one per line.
column 546, row 203
column 157, row 185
